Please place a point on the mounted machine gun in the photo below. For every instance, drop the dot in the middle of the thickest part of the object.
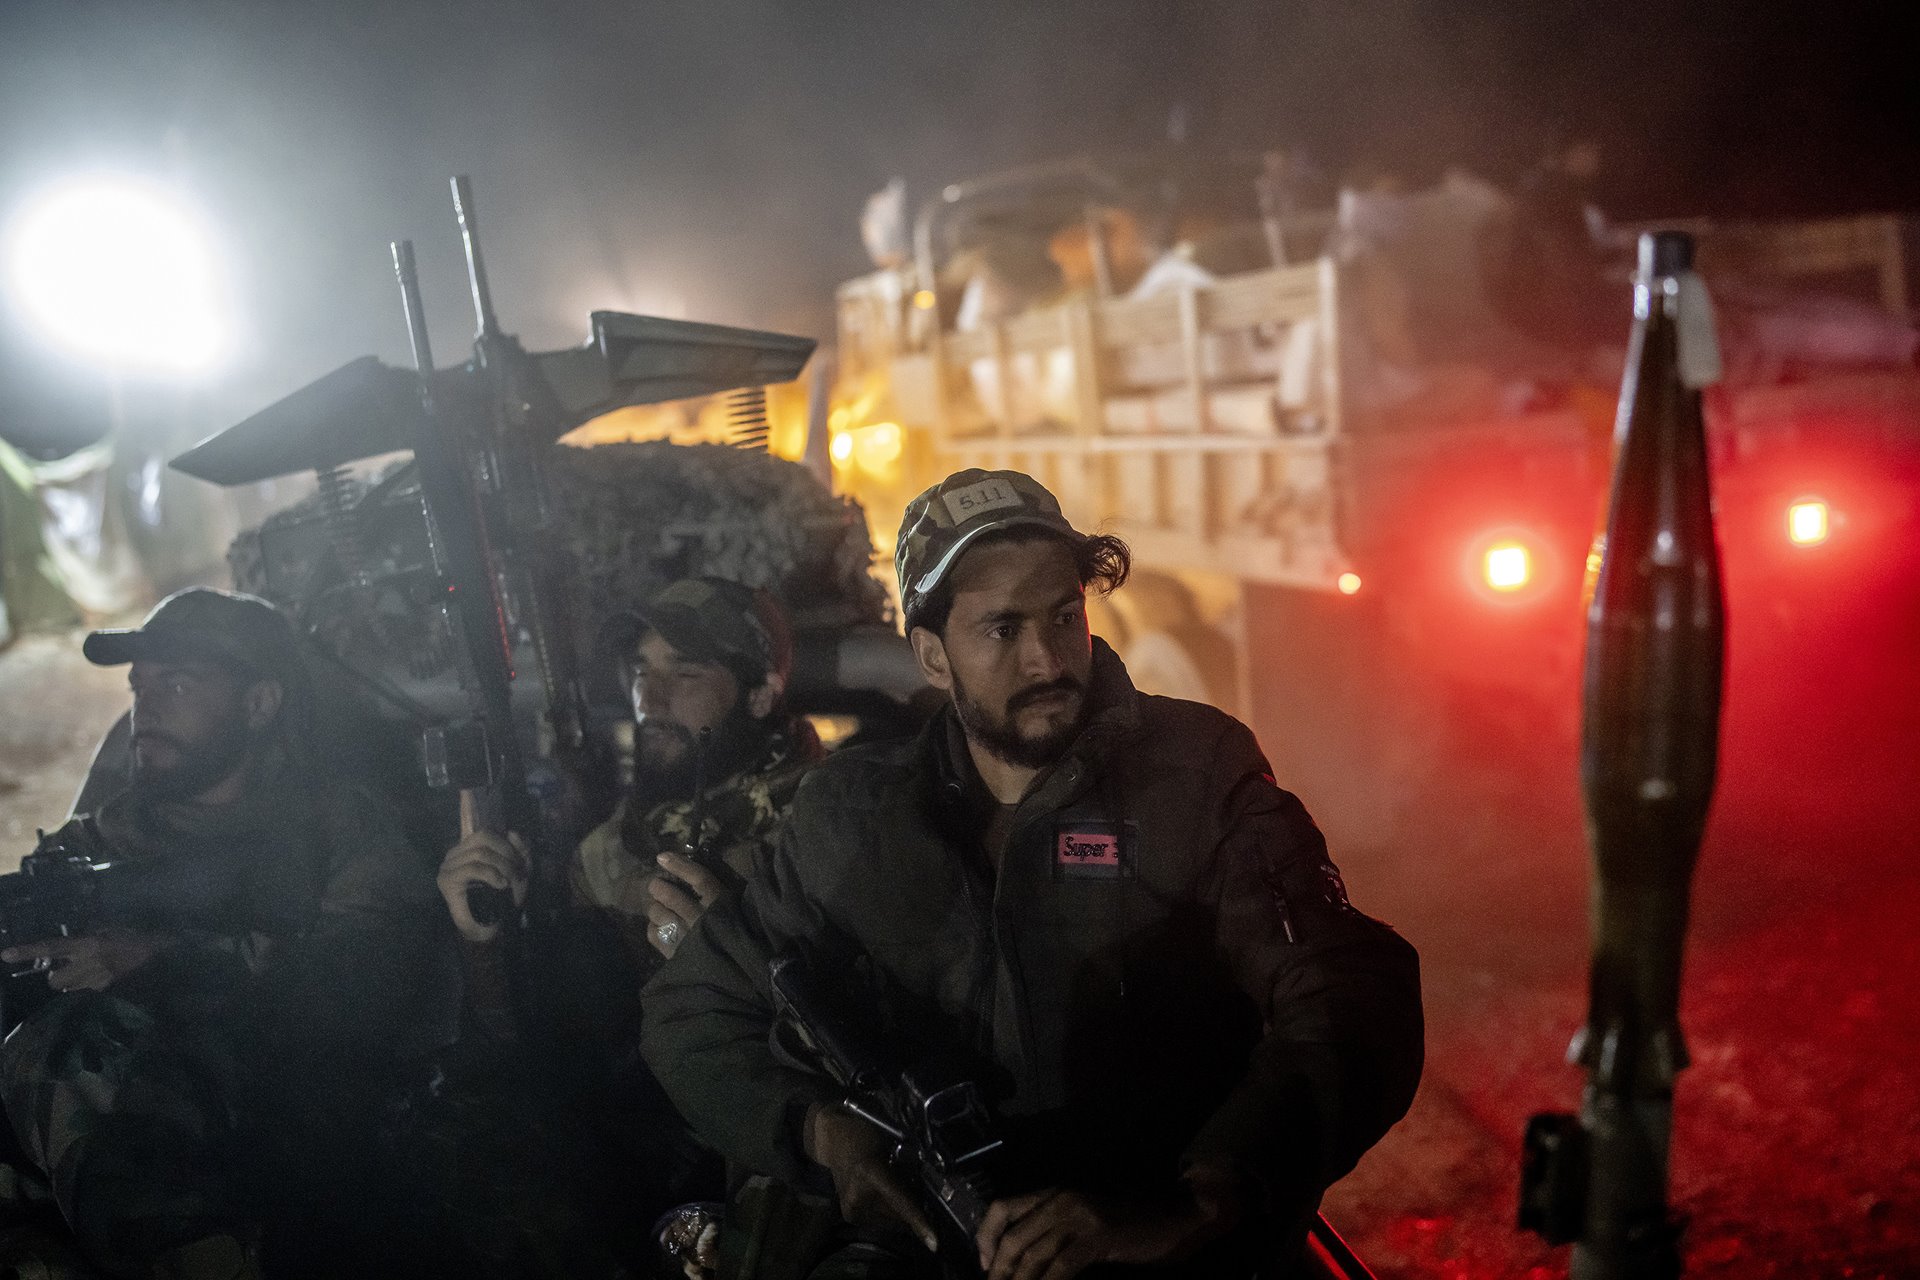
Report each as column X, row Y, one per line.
column 482, row 558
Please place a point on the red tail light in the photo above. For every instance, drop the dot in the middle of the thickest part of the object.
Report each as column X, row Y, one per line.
column 1507, row 566
column 1807, row 522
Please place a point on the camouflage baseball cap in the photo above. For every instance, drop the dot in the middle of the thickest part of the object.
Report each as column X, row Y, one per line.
column 718, row 620
column 201, row 624
column 946, row 519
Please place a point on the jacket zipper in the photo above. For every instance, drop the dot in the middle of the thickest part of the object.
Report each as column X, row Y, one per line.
column 981, row 998
column 1009, row 955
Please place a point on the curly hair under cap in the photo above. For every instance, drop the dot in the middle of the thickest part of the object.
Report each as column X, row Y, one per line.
column 1101, row 560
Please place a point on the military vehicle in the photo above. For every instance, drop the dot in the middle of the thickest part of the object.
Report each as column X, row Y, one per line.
column 1360, row 458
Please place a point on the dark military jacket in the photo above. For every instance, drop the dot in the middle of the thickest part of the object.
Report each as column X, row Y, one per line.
column 1165, row 969
column 336, row 944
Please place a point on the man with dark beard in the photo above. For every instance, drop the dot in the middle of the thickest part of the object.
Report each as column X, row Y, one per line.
column 716, row 762
column 1097, row 902
column 561, row 1165
column 187, row 1085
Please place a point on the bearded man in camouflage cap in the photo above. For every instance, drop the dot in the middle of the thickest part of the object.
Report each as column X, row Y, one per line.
column 1097, row 902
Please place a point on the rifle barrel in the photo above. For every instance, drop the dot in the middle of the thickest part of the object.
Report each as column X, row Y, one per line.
column 404, row 268
column 487, row 326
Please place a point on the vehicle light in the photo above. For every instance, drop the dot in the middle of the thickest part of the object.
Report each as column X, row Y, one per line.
column 878, row 446
column 1807, row 524
column 1348, row 583
column 1507, row 566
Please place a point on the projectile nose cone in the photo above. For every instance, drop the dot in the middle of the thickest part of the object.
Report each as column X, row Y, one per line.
column 1665, row 253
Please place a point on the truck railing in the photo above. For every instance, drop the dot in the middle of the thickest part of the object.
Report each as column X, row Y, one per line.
column 1196, row 422
column 1203, row 422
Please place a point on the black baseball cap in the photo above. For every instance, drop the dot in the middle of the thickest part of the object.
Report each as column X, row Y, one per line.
column 241, row 632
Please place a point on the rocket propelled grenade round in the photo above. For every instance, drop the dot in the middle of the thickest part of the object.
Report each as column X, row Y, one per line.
column 1655, row 637
column 1656, row 630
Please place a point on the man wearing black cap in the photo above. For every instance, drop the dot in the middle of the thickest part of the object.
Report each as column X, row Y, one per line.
column 175, row 1064
column 1098, row 902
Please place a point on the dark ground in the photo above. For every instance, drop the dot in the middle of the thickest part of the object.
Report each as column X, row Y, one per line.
column 1797, row 1124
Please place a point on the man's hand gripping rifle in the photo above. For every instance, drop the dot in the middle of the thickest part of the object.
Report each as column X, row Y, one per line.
column 72, row 885
column 945, row 1135
column 490, row 546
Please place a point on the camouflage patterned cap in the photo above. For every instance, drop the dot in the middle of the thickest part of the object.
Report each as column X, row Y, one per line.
column 946, row 519
column 718, row 620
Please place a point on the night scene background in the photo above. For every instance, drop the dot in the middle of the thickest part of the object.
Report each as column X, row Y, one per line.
column 710, row 161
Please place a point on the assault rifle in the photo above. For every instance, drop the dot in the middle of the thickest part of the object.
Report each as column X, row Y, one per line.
column 492, row 575
column 945, row 1135
column 71, row 885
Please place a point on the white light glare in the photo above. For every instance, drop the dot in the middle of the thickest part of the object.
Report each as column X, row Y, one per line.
column 1807, row 523
column 120, row 272
column 1507, row 566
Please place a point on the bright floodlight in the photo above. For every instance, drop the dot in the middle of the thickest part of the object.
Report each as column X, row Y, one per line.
column 120, row 272
column 1807, row 522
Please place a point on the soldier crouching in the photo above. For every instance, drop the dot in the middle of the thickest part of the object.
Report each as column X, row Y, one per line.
column 1095, row 901
column 189, row 1082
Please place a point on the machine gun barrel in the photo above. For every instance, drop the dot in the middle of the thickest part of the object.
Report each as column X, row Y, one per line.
column 522, row 418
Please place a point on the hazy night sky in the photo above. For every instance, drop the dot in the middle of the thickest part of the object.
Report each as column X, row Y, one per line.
column 711, row 158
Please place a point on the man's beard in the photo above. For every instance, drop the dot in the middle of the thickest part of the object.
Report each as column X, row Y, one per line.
column 199, row 767
column 733, row 745
column 1001, row 736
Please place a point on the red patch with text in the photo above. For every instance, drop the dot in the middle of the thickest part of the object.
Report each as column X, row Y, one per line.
column 1091, row 851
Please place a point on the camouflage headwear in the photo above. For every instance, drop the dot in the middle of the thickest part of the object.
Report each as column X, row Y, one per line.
column 717, row 620
column 200, row 624
column 949, row 517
